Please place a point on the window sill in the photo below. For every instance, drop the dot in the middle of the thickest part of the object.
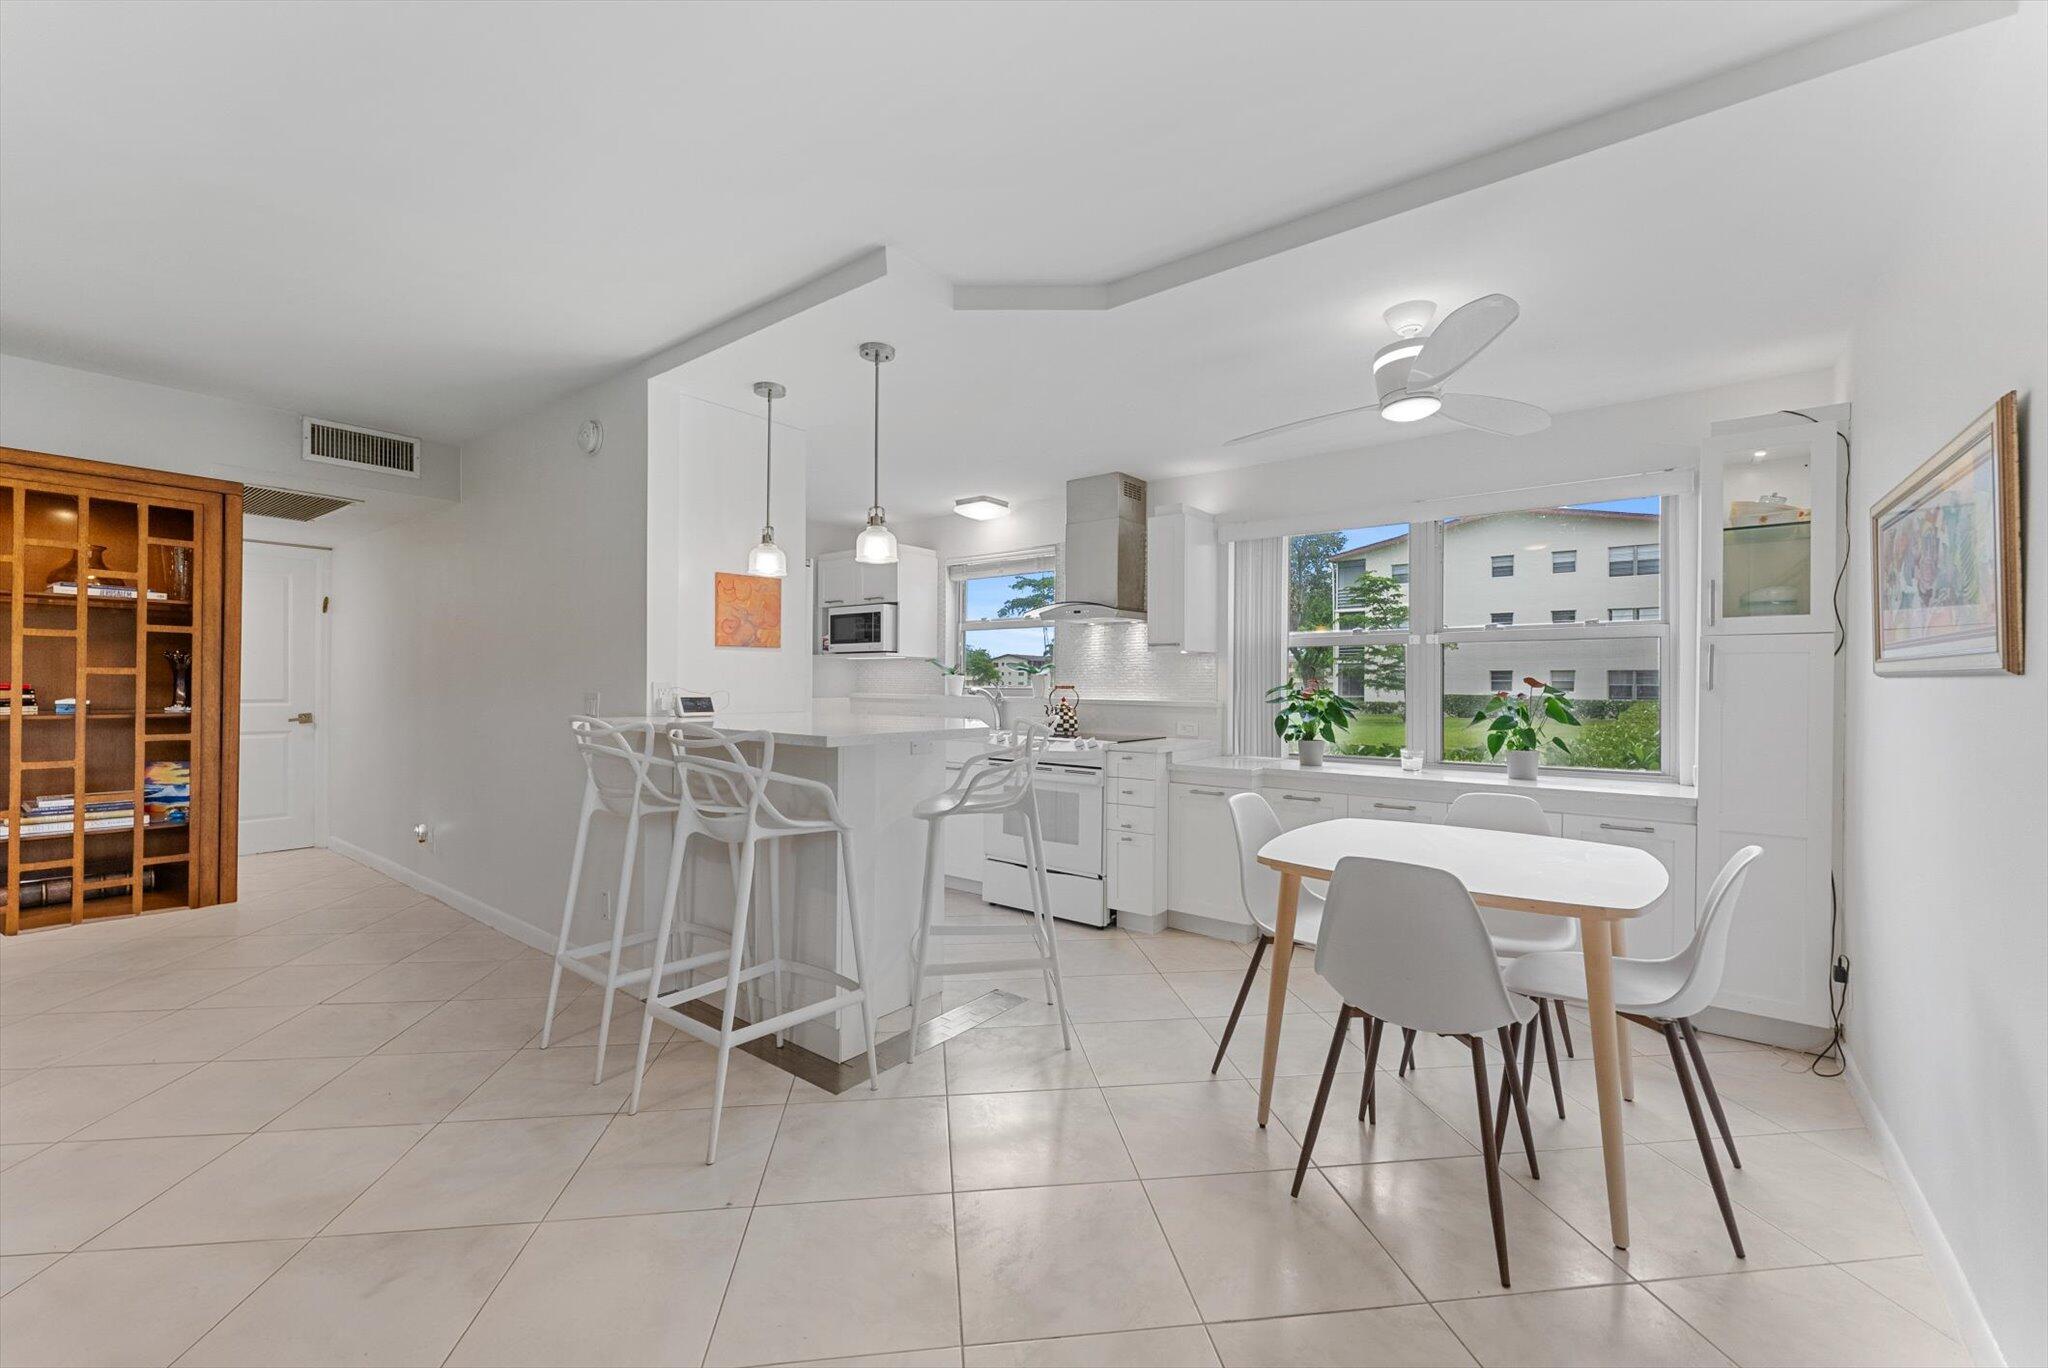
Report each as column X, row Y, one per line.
column 1558, row 790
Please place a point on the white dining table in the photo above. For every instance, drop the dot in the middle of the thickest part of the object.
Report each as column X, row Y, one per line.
column 1599, row 886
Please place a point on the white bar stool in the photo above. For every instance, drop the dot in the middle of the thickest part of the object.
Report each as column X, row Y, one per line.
column 622, row 780
column 991, row 784
column 725, row 798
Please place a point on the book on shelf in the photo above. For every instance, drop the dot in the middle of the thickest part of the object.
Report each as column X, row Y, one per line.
column 62, row 804
column 64, row 826
column 104, row 591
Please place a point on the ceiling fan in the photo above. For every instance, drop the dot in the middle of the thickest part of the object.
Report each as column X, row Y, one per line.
column 1409, row 372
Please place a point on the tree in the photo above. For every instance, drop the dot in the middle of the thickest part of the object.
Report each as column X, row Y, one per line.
column 1032, row 592
column 1309, row 606
column 1376, row 602
column 980, row 666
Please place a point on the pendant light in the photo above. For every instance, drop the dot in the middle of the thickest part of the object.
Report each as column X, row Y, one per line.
column 767, row 558
column 876, row 544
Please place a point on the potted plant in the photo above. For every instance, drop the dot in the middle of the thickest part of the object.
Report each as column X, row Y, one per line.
column 956, row 682
column 1040, row 676
column 1310, row 715
column 1520, row 723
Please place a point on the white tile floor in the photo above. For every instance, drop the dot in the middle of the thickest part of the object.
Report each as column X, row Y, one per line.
column 313, row 1128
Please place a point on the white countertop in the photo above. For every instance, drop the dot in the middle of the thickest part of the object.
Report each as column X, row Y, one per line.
column 835, row 727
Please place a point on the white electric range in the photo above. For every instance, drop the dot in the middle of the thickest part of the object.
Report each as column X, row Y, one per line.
column 1070, row 805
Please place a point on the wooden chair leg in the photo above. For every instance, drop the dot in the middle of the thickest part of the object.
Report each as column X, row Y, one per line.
column 1407, row 1053
column 1672, row 1042
column 1368, row 1093
column 1315, row 1117
column 1511, row 1083
column 1699, row 1065
column 1243, row 991
column 1550, row 1053
column 1490, row 1153
column 1564, row 1030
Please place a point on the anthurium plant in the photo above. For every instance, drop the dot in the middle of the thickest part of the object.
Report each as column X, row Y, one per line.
column 1309, row 711
column 1522, row 720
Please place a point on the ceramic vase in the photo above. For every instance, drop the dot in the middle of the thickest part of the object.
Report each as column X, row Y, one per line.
column 1312, row 748
column 1522, row 765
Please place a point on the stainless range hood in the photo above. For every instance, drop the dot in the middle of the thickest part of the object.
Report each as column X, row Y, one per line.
column 1102, row 577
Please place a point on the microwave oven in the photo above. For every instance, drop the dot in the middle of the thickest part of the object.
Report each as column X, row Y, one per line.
column 861, row 629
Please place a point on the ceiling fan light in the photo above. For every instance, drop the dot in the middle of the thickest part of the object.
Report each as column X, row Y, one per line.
column 1404, row 350
column 1410, row 408
column 876, row 544
column 981, row 507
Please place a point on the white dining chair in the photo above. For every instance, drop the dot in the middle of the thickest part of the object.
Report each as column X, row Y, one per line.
column 1520, row 933
column 990, row 785
column 747, row 805
column 1404, row 945
column 1253, row 822
column 1664, row 995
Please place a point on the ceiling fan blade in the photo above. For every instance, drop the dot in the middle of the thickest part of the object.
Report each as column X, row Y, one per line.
column 1299, row 423
column 1460, row 337
column 1502, row 417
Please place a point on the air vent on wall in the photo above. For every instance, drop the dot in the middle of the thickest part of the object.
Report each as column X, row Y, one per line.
column 339, row 444
column 259, row 501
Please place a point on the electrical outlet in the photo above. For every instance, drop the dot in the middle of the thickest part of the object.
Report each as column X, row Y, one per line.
column 421, row 832
column 1183, row 729
column 1842, row 969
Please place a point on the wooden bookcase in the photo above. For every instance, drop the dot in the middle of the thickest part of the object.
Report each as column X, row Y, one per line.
column 154, row 565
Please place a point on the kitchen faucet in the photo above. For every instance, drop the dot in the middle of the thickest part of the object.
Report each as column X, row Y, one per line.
column 993, row 697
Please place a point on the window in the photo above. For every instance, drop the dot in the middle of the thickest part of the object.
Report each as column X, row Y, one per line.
column 1355, row 596
column 1633, row 685
column 998, row 643
column 1640, row 559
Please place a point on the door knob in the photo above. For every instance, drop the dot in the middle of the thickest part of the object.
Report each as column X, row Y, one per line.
column 304, row 719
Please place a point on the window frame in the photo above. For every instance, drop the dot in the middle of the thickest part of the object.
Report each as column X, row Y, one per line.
column 1571, row 566
column 1426, row 636
column 960, row 573
column 1495, row 569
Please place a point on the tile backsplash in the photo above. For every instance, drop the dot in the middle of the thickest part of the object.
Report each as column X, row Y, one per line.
column 1105, row 661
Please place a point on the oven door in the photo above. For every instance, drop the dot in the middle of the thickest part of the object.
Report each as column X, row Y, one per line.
column 1070, row 813
column 861, row 629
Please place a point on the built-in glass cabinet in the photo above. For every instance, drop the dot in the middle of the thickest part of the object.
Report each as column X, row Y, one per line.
column 1770, row 505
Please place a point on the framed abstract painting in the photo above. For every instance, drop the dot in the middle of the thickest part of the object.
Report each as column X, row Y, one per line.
column 1946, row 557
column 746, row 610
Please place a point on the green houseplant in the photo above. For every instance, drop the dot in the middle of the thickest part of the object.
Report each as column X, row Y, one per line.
column 1310, row 715
column 1521, row 722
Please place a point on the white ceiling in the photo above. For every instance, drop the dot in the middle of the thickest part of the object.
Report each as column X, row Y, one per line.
column 429, row 217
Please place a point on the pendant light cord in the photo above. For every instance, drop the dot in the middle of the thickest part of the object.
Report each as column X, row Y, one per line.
column 878, row 432
column 768, row 479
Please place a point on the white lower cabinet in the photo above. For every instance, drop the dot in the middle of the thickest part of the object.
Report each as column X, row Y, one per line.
column 1203, row 874
column 962, row 836
column 1302, row 807
column 1665, row 929
column 1130, row 860
column 1397, row 809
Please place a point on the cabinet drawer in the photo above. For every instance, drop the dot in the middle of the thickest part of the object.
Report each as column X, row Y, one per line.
column 1299, row 807
column 1666, row 927
column 1139, row 766
column 1124, row 818
column 1136, row 792
column 1398, row 809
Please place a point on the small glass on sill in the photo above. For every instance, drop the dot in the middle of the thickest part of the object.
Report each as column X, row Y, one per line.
column 1411, row 761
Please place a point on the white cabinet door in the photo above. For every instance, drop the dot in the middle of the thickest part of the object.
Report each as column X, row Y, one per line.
column 838, row 581
column 1397, row 809
column 1203, row 878
column 1301, row 807
column 875, row 583
column 1767, row 778
column 1130, row 873
column 1665, row 928
column 963, row 838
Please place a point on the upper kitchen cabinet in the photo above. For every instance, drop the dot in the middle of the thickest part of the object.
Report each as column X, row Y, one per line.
column 910, row 586
column 1180, row 578
column 1771, row 527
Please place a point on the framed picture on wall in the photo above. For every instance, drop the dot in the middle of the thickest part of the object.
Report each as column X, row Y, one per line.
column 1946, row 557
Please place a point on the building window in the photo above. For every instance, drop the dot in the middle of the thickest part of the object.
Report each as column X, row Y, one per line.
column 1355, row 620
column 1633, row 685
column 998, row 643
column 1640, row 559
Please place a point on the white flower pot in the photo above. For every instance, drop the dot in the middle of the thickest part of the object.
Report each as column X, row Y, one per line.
column 956, row 686
column 1312, row 748
column 1522, row 764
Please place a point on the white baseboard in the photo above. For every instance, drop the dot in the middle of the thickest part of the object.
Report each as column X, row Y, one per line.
column 526, row 933
column 1962, row 1302
column 1216, row 928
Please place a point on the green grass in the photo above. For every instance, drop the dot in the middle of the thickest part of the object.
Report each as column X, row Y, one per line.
column 1629, row 741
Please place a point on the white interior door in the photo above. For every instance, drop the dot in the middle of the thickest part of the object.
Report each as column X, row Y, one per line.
column 283, row 692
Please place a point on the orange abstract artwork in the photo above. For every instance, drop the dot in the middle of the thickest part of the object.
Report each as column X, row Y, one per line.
column 747, row 611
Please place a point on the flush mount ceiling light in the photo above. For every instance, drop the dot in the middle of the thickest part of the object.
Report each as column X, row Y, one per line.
column 876, row 544
column 767, row 558
column 980, row 507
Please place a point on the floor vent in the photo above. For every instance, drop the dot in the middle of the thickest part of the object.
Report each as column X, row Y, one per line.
column 260, row 501
column 338, row 444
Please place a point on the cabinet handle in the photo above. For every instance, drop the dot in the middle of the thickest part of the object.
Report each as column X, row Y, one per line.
column 1713, row 601
column 1128, row 840
column 1623, row 826
column 871, row 598
column 831, row 601
column 1126, row 826
column 1710, row 666
column 1396, row 807
column 1298, row 798
column 1207, row 793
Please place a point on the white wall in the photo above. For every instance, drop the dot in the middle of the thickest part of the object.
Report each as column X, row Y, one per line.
column 1947, row 778
column 104, row 418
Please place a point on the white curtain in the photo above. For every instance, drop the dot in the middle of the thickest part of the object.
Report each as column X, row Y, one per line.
column 1258, row 640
